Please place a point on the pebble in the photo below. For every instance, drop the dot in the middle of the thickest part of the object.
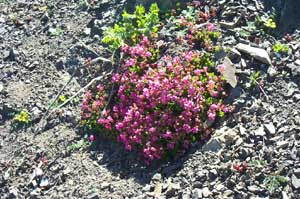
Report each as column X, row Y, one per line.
column 270, row 128
column 38, row 172
column 172, row 189
column 253, row 189
column 157, row 177
column 260, row 131
column 282, row 144
column 206, row 192
column 197, row 194
column 1, row 87
column 44, row 182
column 212, row 145
column 295, row 182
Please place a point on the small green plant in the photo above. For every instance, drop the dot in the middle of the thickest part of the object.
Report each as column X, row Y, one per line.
column 268, row 20
column 23, row 117
column 270, row 23
column 55, row 104
column 132, row 27
column 258, row 163
column 273, row 183
column 280, row 48
column 254, row 78
column 62, row 98
column 58, row 31
column 87, row 141
column 76, row 146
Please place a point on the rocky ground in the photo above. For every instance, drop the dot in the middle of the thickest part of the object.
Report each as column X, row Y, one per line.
column 254, row 153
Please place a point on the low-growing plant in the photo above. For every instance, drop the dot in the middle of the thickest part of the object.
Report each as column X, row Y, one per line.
column 58, row 31
column 132, row 26
column 280, row 48
column 160, row 103
column 160, row 108
column 268, row 20
column 254, row 77
column 273, row 183
column 22, row 118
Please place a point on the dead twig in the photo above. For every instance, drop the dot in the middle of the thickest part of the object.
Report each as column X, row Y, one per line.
column 262, row 90
column 80, row 91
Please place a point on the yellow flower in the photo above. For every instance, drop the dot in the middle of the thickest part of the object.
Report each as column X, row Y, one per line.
column 22, row 117
column 62, row 98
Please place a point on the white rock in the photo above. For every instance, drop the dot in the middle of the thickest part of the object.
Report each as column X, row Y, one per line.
column 257, row 53
column 38, row 171
column 270, row 128
column 206, row 192
column 1, row 88
column 284, row 195
column 272, row 71
column 44, row 182
column 295, row 182
column 260, row 131
column 282, row 144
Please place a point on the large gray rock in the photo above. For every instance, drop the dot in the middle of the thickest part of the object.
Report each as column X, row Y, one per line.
column 257, row 53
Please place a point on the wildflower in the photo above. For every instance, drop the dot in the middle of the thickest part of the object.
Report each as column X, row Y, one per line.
column 211, row 27
column 221, row 68
column 62, row 98
column 211, row 116
column 92, row 138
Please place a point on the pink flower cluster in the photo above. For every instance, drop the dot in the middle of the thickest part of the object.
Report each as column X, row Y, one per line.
column 159, row 107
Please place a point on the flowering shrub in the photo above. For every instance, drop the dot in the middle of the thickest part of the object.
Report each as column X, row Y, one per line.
column 162, row 102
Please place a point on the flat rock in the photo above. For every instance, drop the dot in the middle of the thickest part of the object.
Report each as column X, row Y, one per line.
column 295, row 182
column 270, row 128
column 260, row 131
column 206, row 192
column 212, row 145
column 257, row 53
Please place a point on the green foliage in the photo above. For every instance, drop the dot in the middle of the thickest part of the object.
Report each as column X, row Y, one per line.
column 258, row 163
column 57, row 32
column 55, row 104
column 76, row 146
column 245, row 31
column 254, row 77
column 132, row 26
column 268, row 20
column 280, row 48
column 273, row 183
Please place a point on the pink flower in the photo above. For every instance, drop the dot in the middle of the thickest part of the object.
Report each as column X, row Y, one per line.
column 211, row 116
column 221, row 68
column 130, row 62
column 189, row 56
column 148, row 54
column 119, row 126
column 167, row 135
column 211, row 27
column 116, row 78
column 145, row 40
column 92, row 138
column 225, row 109
column 213, row 107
